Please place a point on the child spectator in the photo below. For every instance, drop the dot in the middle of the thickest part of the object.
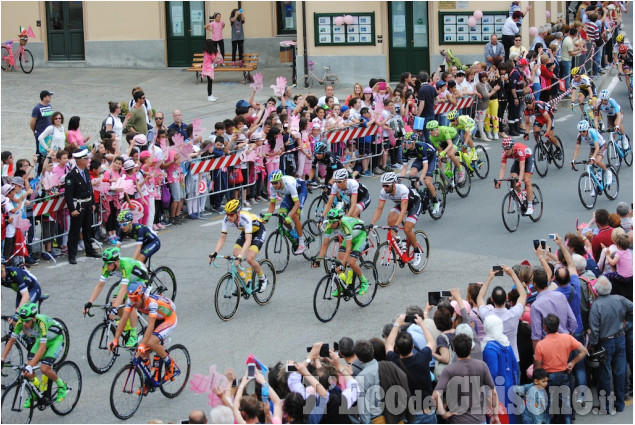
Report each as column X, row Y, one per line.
column 219, row 176
column 7, row 166
column 622, row 260
column 536, row 399
column 110, row 200
column 216, row 26
column 209, row 59
column 175, row 179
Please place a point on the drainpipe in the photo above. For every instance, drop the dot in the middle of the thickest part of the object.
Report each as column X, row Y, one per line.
column 304, row 42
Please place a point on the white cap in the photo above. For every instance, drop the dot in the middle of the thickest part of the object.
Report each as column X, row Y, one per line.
column 82, row 153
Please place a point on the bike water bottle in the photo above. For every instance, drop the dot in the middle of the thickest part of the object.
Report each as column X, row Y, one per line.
column 242, row 275
column 155, row 366
column 522, row 195
column 250, row 272
column 294, row 234
column 598, row 174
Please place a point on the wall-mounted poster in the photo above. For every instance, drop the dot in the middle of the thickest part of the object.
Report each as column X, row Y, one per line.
column 360, row 32
column 454, row 28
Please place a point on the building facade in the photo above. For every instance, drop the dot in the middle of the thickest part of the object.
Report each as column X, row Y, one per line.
column 377, row 38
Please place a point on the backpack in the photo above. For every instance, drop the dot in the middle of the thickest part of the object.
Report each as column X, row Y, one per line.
column 438, row 367
column 102, row 130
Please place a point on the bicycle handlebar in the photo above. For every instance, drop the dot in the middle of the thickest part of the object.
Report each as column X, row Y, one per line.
column 104, row 307
column 512, row 180
column 229, row 258
column 574, row 163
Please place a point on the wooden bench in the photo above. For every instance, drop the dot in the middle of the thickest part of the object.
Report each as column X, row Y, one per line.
column 250, row 63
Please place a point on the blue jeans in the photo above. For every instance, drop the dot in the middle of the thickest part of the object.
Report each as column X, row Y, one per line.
column 536, row 90
column 597, row 61
column 426, row 132
column 579, row 370
column 559, row 396
column 565, row 72
column 614, row 366
column 628, row 330
column 425, row 418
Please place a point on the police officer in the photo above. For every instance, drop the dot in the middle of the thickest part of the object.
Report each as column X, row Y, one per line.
column 81, row 204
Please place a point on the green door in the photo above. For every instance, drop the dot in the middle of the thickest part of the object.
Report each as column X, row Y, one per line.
column 185, row 29
column 408, row 23
column 65, row 29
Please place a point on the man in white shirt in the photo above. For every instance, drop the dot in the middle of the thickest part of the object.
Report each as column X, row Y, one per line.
column 510, row 29
column 328, row 90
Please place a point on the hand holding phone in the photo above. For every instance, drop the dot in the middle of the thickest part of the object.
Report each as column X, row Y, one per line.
column 251, row 370
column 543, row 243
column 291, row 368
column 498, row 270
column 552, row 236
column 536, row 243
column 433, row 297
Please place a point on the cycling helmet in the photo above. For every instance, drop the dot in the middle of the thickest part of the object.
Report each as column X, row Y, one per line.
column 583, row 125
column 27, row 311
column 136, row 290
column 275, row 176
column 233, row 206
column 620, row 38
column 597, row 358
column 389, row 177
column 410, row 137
column 452, row 115
column 604, row 95
column 508, row 143
column 623, row 48
column 124, row 216
column 110, row 255
column 575, row 71
column 335, row 214
column 340, row 174
column 529, row 98
column 433, row 124
column 319, row 148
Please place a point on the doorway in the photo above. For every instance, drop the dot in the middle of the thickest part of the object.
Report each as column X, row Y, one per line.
column 409, row 51
column 65, row 30
column 185, row 22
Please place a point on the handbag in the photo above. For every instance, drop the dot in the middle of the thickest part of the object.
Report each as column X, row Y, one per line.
column 165, row 196
column 235, row 177
column 47, row 141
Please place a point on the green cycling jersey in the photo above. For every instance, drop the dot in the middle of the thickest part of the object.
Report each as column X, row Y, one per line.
column 44, row 327
column 445, row 134
column 131, row 271
column 350, row 228
column 466, row 124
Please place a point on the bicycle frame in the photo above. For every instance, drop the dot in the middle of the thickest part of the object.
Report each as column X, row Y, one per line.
column 233, row 269
column 34, row 389
column 403, row 256
column 15, row 54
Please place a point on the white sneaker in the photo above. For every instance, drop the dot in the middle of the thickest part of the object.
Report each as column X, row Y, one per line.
column 608, row 176
column 80, row 246
column 461, row 175
column 416, row 259
column 436, row 207
column 530, row 210
column 212, row 98
column 489, row 134
column 496, row 136
column 300, row 250
column 263, row 284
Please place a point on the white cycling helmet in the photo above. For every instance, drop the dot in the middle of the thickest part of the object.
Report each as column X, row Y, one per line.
column 389, row 177
column 583, row 125
column 340, row 174
column 604, row 95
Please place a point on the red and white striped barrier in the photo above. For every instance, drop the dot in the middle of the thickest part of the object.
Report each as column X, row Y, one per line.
column 350, row 134
column 214, row 163
column 442, row 108
column 49, row 206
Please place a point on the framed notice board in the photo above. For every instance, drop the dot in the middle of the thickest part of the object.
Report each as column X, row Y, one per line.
column 360, row 33
column 453, row 27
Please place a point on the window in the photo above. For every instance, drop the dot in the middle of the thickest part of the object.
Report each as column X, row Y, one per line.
column 286, row 17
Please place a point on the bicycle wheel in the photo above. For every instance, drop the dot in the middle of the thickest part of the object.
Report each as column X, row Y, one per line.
column 317, row 207
column 611, row 183
column 370, row 272
column 312, row 238
column 163, row 282
column 511, row 212
column 538, row 203
column 481, row 168
column 372, row 243
column 333, row 80
column 627, row 150
column 586, row 191
column 424, row 248
column 325, row 305
column 540, row 159
column 67, row 341
column 277, row 250
column 72, row 377
column 386, row 264
column 441, row 196
column 612, row 157
column 99, row 358
column 26, row 62
column 126, row 391
column 5, row 57
column 269, row 270
column 15, row 358
column 227, row 297
column 306, row 81
column 331, row 252
column 13, row 410
column 182, row 366
column 558, row 155
column 463, row 189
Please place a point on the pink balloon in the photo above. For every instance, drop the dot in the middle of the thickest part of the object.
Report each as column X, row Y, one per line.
column 533, row 31
column 471, row 22
column 349, row 20
column 548, row 13
column 478, row 14
column 339, row 21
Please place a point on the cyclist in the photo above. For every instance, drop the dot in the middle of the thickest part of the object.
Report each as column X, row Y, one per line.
column 293, row 193
column 467, row 130
column 354, row 233
column 544, row 115
column 148, row 242
column 330, row 159
column 584, row 83
column 161, row 322
column 51, row 343
column 596, row 142
column 612, row 109
column 131, row 271
column 425, row 156
column 25, row 285
column 443, row 138
column 522, row 169
column 616, row 47
column 406, row 210
column 252, row 236
column 625, row 62
column 357, row 194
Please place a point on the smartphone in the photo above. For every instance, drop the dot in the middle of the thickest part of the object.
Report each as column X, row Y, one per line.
column 410, row 318
column 433, row 297
column 324, row 350
column 240, row 11
column 336, row 346
column 234, row 383
column 446, row 294
column 536, row 243
column 552, row 236
column 498, row 270
column 442, row 67
column 291, row 368
column 251, row 370
column 475, row 284
column 543, row 243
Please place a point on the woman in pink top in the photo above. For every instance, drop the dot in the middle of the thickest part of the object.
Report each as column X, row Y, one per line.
column 623, row 263
column 216, row 26
column 74, row 133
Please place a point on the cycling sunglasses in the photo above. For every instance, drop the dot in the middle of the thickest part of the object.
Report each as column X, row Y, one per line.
column 124, row 224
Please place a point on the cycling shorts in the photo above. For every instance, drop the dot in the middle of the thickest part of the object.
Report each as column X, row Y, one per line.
column 165, row 327
column 357, row 246
column 413, row 211
column 529, row 165
column 150, row 249
column 432, row 165
column 34, row 296
column 610, row 119
column 257, row 240
column 455, row 141
column 540, row 121
column 363, row 203
column 462, row 135
column 585, row 92
column 54, row 348
column 602, row 150
column 287, row 203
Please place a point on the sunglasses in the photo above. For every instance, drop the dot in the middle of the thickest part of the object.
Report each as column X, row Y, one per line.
column 339, row 181
column 230, row 214
column 124, row 224
column 158, row 118
column 386, row 185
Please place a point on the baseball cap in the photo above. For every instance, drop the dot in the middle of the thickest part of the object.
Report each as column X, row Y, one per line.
column 343, row 109
column 144, row 154
column 440, row 83
column 523, row 62
column 7, row 188
column 243, row 104
column 45, row 93
column 622, row 209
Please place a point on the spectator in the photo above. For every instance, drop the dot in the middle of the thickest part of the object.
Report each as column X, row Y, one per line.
column 494, row 50
column 626, row 219
column 216, row 27
column 197, row 417
column 237, row 19
column 622, row 261
column 517, row 86
column 178, row 126
column 427, row 98
column 221, row 415
column 510, row 29
column 543, row 31
column 536, row 399
column 515, row 7
column 517, row 51
column 41, row 117
column 368, row 378
column 146, row 106
column 593, row 32
column 74, row 135
column 137, row 123
column 113, row 122
column 347, row 352
column 604, row 234
column 210, row 57
column 484, row 92
column 466, row 370
column 328, row 91
column 569, row 51
column 53, row 138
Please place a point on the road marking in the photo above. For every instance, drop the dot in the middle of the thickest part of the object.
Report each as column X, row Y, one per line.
column 212, row 223
column 566, row 117
column 613, row 84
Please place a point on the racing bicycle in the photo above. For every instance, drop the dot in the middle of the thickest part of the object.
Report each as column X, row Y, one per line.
column 630, row 89
column 161, row 281
column 515, row 203
column 427, row 203
column 619, row 149
column 447, row 175
column 395, row 251
column 277, row 248
column 545, row 153
column 593, row 183
column 368, row 253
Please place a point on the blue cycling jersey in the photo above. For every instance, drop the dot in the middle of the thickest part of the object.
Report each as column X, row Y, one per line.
column 591, row 138
column 612, row 108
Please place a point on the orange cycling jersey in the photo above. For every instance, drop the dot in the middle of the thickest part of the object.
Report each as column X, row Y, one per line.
column 155, row 306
